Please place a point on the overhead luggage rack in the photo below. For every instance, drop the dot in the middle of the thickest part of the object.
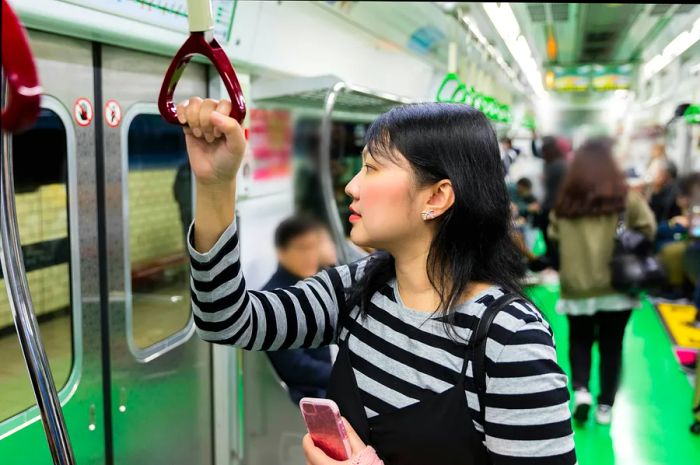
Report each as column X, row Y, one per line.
column 329, row 94
column 313, row 92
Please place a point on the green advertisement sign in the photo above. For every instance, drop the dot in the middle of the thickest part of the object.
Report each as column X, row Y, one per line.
column 591, row 77
column 612, row 77
column 571, row 79
column 453, row 90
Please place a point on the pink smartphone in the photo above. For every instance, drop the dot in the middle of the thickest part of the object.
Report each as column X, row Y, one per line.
column 325, row 426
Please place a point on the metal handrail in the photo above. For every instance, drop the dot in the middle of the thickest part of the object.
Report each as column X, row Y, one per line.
column 20, row 302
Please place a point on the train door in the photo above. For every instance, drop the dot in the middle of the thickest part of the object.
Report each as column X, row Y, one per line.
column 54, row 176
column 160, row 371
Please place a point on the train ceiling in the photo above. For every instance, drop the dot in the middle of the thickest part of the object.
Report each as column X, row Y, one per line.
column 597, row 32
column 583, row 33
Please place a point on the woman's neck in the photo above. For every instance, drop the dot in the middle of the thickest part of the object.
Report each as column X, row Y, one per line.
column 412, row 281
column 413, row 285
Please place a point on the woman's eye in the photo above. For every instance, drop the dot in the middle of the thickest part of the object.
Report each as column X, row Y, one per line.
column 369, row 167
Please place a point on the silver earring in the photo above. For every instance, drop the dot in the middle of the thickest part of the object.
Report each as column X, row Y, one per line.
column 428, row 215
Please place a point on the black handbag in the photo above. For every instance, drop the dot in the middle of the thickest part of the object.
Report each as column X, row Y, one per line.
column 633, row 267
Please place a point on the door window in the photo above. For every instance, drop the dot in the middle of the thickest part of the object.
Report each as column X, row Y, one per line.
column 159, row 205
column 40, row 159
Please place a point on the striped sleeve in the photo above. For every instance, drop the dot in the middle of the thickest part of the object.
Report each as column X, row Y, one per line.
column 225, row 312
column 527, row 417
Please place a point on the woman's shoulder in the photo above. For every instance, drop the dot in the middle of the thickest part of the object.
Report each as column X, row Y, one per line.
column 521, row 322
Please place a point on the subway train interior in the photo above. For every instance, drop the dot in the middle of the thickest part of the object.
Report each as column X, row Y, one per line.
column 102, row 363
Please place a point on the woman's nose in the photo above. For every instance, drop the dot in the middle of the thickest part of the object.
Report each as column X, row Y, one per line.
column 351, row 187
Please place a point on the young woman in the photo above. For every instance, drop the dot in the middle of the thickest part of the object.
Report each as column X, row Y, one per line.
column 432, row 197
column 584, row 221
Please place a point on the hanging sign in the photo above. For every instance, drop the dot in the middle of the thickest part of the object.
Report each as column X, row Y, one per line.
column 82, row 112
column 571, row 79
column 453, row 90
column 113, row 113
column 612, row 77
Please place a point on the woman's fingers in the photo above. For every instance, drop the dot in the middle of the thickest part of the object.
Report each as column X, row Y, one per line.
column 192, row 112
column 314, row 455
column 205, row 111
column 232, row 131
column 356, row 444
column 180, row 109
column 224, row 107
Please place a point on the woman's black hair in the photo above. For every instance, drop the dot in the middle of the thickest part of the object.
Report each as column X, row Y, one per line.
column 473, row 241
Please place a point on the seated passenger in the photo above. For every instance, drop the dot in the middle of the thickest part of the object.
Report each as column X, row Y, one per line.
column 672, row 240
column 583, row 222
column 305, row 371
column 527, row 203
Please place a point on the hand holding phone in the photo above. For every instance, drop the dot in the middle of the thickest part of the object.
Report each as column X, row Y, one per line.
column 326, row 428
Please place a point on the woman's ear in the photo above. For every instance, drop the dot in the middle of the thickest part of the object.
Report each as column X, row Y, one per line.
column 442, row 197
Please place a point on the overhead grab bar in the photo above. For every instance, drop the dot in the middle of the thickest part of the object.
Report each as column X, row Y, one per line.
column 201, row 41
column 21, row 111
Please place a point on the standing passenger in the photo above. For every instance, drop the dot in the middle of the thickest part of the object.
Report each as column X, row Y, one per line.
column 432, row 197
column 584, row 221
column 554, row 173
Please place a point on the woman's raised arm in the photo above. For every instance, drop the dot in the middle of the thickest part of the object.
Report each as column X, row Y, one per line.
column 304, row 315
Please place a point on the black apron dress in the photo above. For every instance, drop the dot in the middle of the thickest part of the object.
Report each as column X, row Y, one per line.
column 437, row 431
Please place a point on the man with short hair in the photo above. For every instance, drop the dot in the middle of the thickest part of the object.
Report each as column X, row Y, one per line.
column 306, row 372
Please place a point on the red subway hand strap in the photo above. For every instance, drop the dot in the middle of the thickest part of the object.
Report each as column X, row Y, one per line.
column 197, row 44
column 24, row 93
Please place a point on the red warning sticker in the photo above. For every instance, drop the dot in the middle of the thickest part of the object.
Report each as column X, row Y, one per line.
column 82, row 111
column 113, row 113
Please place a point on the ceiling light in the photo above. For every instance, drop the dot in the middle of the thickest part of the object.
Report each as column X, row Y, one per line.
column 503, row 19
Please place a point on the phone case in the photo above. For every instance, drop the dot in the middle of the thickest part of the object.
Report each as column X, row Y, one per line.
column 323, row 421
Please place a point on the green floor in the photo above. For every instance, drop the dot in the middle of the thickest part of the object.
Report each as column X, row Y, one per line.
column 652, row 413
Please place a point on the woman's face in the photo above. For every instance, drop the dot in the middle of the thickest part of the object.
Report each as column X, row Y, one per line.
column 385, row 205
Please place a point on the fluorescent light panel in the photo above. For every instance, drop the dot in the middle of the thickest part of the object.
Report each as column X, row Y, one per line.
column 502, row 17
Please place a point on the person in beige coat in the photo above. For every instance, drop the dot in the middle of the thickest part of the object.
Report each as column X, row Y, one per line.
column 583, row 223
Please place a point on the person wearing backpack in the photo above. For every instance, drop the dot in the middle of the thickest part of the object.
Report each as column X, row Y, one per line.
column 583, row 223
column 415, row 384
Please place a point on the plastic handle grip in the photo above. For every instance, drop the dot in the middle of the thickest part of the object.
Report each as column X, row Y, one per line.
column 199, row 15
column 197, row 44
column 24, row 92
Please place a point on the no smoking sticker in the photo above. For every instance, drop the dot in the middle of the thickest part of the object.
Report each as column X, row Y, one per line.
column 82, row 111
column 113, row 113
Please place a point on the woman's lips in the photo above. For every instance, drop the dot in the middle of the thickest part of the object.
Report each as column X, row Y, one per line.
column 354, row 216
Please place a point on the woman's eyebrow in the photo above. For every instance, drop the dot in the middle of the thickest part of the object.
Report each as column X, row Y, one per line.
column 369, row 155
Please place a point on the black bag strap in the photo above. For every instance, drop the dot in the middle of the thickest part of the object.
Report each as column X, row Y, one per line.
column 478, row 344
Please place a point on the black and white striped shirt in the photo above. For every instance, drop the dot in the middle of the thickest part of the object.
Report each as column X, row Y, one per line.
column 400, row 356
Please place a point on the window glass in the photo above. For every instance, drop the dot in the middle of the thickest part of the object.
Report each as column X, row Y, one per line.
column 160, row 211
column 40, row 176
